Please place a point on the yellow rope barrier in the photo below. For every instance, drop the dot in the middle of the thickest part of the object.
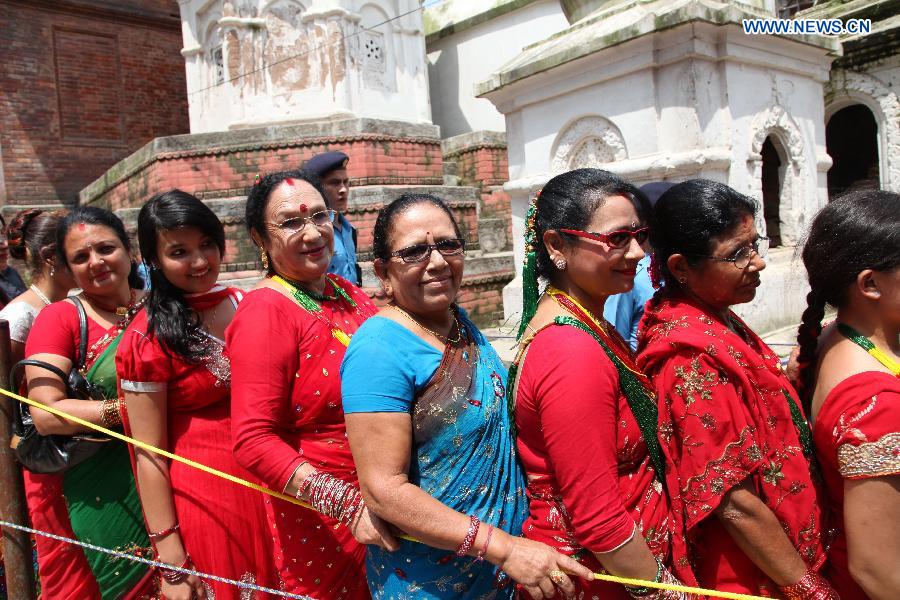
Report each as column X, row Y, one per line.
column 295, row 501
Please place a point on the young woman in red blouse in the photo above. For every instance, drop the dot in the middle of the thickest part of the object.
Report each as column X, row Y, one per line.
column 286, row 344
column 176, row 381
column 585, row 416
column 850, row 375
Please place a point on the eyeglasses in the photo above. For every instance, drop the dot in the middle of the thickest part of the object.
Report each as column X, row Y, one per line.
column 295, row 225
column 615, row 239
column 422, row 252
column 742, row 256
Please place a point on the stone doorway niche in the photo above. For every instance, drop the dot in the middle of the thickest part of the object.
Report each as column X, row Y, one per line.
column 851, row 138
column 773, row 167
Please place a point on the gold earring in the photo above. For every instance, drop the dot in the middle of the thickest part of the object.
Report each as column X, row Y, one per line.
column 264, row 258
column 52, row 270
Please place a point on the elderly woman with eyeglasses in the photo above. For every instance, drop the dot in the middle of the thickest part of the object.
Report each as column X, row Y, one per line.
column 430, row 428
column 286, row 343
column 737, row 444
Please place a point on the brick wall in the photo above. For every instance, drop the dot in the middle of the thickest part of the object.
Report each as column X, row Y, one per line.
column 229, row 170
column 84, row 85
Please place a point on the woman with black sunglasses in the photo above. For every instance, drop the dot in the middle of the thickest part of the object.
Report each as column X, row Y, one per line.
column 585, row 416
column 286, row 343
column 429, row 425
column 737, row 444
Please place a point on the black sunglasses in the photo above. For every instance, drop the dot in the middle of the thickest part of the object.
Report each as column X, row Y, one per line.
column 421, row 252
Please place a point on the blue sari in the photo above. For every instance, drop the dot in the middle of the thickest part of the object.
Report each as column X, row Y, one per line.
column 464, row 454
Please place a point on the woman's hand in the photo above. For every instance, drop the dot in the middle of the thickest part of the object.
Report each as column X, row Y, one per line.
column 189, row 589
column 370, row 529
column 540, row 569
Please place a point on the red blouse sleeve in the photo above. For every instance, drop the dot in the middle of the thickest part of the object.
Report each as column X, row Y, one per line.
column 141, row 363
column 55, row 331
column 705, row 430
column 576, row 395
column 864, row 423
column 262, row 346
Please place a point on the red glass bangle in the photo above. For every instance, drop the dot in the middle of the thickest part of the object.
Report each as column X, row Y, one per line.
column 467, row 542
column 161, row 534
column 176, row 577
column 811, row 586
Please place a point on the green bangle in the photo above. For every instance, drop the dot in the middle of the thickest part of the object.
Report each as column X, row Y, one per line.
column 639, row 592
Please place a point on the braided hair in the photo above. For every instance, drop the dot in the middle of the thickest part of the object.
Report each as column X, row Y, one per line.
column 857, row 231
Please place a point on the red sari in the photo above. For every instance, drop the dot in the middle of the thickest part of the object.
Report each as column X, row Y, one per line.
column 222, row 524
column 592, row 484
column 857, row 436
column 286, row 410
column 725, row 417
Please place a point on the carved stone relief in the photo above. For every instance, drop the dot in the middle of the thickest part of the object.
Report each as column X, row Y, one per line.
column 587, row 142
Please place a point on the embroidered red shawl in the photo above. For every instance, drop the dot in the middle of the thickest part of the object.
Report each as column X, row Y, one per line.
column 727, row 414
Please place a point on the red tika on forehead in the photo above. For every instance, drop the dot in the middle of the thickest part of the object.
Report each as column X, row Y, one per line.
column 289, row 181
column 81, row 226
column 303, row 208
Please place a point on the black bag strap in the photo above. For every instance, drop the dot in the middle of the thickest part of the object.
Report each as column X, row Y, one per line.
column 30, row 362
column 82, row 332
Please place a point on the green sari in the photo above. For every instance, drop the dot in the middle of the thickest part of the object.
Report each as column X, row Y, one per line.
column 103, row 502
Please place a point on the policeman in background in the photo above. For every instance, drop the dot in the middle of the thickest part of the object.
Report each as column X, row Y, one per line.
column 331, row 167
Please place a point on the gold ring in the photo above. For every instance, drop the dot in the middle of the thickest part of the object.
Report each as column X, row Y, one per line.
column 556, row 576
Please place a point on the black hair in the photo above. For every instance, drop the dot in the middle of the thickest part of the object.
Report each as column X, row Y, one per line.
column 569, row 201
column 384, row 222
column 32, row 237
column 258, row 196
column 857, row 231
column 93, row 215
column 169, row 317
column 687, row 218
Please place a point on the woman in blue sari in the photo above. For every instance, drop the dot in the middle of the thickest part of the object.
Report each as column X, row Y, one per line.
column 429, row 428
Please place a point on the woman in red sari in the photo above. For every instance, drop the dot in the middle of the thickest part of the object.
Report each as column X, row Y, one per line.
column 95, row 500
column 737, row 444
column 176, row 385
column 586, row 417
column 850, row 382
column 286, row 344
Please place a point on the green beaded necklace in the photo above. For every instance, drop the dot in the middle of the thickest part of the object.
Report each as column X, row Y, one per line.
column 310, row 301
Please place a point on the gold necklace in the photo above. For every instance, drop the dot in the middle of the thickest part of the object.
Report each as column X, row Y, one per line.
column 442, row 338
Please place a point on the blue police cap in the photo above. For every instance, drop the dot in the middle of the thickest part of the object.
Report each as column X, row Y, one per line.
column 322, row 164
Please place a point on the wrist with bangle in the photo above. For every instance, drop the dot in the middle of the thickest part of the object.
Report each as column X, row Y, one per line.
column 811, row 586
column 332, row 497
column 642, row 592
column 111, row 412
column 173, row 577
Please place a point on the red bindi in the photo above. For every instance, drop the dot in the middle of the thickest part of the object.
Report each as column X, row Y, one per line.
column 81, row 227
column 289, row 181
column 303, row 208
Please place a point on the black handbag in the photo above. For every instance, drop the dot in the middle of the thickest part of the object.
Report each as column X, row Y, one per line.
column 56, row 453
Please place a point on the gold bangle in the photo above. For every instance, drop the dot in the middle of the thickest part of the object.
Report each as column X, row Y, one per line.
column 109, row 413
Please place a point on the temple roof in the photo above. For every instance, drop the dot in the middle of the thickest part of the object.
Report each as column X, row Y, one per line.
column 624, row 21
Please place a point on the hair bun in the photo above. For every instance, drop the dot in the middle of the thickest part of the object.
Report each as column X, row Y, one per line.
column 18, row 229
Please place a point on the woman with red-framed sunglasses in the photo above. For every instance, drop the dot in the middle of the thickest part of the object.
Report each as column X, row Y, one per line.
column 586, row 417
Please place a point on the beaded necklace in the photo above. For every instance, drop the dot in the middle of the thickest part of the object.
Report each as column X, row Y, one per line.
column 41, row 295
column 634, row 384
column 308, row 300
column 867, row 345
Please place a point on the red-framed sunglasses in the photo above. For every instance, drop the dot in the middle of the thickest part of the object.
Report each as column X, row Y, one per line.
column 615, row 239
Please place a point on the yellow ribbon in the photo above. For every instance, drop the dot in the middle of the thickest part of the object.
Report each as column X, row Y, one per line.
column 295, row 501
